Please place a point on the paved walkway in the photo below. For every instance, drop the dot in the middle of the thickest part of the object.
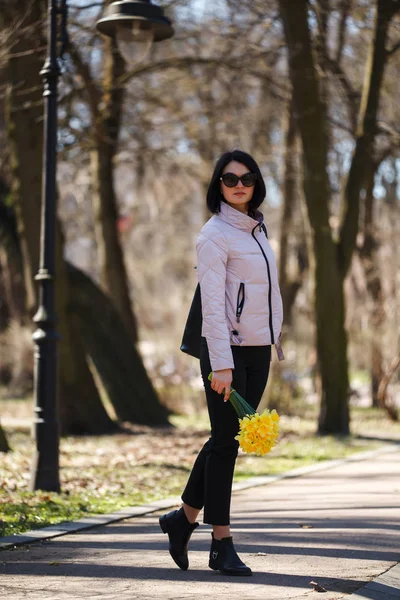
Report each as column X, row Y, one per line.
column 338, row 527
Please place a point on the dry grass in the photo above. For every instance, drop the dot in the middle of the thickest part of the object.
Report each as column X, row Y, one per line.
column 102, row 474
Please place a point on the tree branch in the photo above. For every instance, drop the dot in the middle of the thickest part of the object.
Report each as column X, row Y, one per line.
column 310, row 115
column 349, row 91
column 87, row 6
column 346, row 8
column 393, row 49
column 113, row 94
column 83, row 70
column 182, row 62
column 366, row 133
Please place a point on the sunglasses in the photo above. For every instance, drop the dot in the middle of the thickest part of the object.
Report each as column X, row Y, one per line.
column 231, row 180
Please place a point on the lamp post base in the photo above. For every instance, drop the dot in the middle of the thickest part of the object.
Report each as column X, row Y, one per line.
column 45, row 465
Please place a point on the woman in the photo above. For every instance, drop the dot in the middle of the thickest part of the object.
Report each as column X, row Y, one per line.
column 242, row 318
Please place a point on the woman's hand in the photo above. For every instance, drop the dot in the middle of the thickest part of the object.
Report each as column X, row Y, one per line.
column 222, row 381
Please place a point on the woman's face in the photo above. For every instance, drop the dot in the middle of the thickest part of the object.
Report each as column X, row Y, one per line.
column 238, row 196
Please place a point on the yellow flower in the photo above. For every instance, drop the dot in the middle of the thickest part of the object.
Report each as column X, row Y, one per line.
column 258, row 434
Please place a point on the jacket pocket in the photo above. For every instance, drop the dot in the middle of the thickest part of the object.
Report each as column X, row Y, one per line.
column 240, row 301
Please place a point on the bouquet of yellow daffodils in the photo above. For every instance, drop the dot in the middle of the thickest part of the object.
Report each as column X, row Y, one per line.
column 258, row 433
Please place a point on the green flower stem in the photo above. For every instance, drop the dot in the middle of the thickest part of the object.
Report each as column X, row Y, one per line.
column 240, row 405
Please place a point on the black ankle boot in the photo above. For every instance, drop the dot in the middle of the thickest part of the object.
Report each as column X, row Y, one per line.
column 179, row 531
column 224, row 558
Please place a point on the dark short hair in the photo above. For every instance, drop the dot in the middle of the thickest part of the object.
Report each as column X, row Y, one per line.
column 214, row 195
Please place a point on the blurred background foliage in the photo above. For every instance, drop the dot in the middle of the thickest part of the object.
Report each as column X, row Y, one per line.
column 137, row 147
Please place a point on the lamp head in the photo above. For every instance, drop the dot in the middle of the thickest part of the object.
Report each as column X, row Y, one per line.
column 135, row 24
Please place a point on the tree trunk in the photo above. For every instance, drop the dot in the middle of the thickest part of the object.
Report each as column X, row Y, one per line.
column 290, row 285
column 331, row 339
column 114, row 355
column 105, row 135
column 4, row 447
column 81, row 410
column 109, row 251
column 382, row 391
column 361, row 175
column 328, row 287
column 12, row 291
column 332, row 259
column 369, row 260
column 24, row 123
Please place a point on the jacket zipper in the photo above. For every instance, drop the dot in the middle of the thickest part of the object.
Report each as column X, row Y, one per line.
column 269, row 279
column 239, row 302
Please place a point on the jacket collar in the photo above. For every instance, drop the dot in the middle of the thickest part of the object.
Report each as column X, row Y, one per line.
column 238, row 219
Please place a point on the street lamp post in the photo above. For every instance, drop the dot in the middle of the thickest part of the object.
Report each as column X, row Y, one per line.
column 45, row 466
column 132, row 23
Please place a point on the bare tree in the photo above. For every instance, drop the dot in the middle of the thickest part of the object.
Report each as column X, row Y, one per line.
column 106, row 103
column 81, row 409
column 332, row 255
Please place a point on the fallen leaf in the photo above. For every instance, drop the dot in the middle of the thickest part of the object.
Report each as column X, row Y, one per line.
column 305, row 526
column 54, row 564
column 317, row 587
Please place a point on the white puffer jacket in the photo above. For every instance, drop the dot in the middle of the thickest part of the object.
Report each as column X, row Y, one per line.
column 241, row 300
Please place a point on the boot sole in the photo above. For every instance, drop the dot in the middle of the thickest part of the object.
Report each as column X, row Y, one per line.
column 231, row 573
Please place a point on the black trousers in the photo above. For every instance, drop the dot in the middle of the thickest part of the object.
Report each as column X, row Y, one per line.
column 210, row 482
